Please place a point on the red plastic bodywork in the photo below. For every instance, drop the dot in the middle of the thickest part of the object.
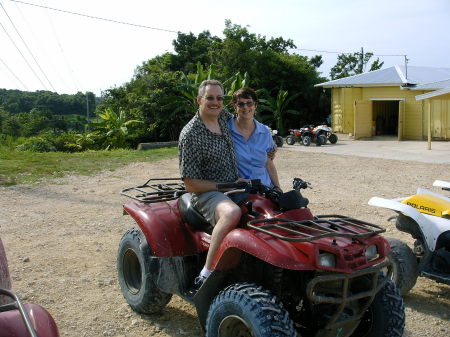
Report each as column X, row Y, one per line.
column 169, row 236
column 12, row 325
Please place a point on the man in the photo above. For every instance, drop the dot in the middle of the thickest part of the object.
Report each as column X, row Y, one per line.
column 207, row 157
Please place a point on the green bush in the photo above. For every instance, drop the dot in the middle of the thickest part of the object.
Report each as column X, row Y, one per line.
column 36, row 144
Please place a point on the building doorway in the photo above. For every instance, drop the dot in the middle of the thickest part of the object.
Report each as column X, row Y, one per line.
column 385, row 116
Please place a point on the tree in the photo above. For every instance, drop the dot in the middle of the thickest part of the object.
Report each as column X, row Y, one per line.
column 277, row 107
column 353, row 64
column 113, row 128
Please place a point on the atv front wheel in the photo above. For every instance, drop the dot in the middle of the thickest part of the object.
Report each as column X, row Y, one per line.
column 248, row 310
column 321, row 140
column 135, row 279
column 290, row 140
column 306, row 140
column 405, row 269
column 386, row 315
column 279, row 141
column 333, row 138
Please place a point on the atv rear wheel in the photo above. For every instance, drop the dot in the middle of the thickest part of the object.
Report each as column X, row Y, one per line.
column 135, row 279
column 386, row 315
column 306, row 140
column 333, row 138
column 248, row 310
column 290, row 140
column 405, row 269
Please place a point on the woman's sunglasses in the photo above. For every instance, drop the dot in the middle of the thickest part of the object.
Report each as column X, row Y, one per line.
column 242, row 104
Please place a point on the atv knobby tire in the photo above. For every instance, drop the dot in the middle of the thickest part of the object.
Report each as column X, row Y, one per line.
column 333, row 138
column 386, row 315
column 306, row 140
column 405, row 269
column 321, row 140
column 248, row 310
column 290, row 140
column 279, row 141
column 136, row 282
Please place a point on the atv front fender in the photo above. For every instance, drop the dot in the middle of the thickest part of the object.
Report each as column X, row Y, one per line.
column 277, row 252
column 431, row 226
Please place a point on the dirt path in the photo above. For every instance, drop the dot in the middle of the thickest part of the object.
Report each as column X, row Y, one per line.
column 61, row 240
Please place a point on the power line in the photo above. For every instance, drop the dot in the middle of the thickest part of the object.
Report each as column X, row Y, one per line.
column 97, row 17
column 26, row 46
column 24, row 58
column 61, row 49
column 17, row 78
column 338, row 52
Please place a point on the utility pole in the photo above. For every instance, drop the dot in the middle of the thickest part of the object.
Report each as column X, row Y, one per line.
column 406, row 66
column 87, row 111
column 361, row 61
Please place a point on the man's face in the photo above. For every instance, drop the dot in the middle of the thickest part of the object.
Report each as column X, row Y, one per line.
column 211, row 103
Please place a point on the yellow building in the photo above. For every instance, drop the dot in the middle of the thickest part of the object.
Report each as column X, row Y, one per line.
column 393, row 101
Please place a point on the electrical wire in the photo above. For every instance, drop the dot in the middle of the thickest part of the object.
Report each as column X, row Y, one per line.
column 12, row 72
column 337, row 52
column 24, row 58
column 26, row 46
column 97, row 17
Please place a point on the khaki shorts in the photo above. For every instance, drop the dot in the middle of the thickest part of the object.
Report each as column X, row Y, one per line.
column 207, row 202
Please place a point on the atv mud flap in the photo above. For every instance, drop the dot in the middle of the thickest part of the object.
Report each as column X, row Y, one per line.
column 337, row 289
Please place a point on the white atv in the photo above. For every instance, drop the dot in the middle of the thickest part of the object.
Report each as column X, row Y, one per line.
column 426, row 216
column 327, row 132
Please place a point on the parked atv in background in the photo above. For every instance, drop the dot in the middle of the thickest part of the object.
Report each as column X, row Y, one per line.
column 18, row 319
column 326, row 131
column 305, row 136
column 277, row 139
column 281, row 272
column 426, row 217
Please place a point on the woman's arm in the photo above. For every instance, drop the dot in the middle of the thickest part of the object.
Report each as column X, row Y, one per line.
column 273, row 174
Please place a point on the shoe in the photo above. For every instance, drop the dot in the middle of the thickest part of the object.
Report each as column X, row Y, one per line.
column 198, row 282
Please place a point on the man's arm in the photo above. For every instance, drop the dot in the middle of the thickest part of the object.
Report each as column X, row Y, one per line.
column 199, row 186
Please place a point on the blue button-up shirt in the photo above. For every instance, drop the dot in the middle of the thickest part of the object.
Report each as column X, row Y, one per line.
column 251, row 154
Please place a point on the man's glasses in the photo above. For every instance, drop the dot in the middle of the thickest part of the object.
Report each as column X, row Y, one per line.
column 242, row 104
column 212, row 98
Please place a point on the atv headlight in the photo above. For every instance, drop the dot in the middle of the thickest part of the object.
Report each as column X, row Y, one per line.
column 327, row 260
column 371, row 253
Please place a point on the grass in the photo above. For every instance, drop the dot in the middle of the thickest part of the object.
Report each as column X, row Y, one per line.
column 30, row 167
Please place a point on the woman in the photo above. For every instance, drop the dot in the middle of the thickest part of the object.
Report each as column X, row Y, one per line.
column 252, row 140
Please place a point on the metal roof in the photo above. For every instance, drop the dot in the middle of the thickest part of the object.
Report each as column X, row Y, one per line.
column 435, row 93
column 392, row 76
column 433, row 85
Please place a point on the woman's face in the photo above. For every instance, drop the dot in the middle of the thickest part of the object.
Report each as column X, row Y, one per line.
column 245, row 108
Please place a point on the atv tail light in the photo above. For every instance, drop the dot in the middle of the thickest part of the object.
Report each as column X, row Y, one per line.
column 327, row 260
column 371, row 253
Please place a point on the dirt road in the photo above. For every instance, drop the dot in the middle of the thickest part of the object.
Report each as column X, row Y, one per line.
column 61, row 239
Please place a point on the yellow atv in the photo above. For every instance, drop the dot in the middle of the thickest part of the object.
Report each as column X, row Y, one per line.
column 426, row 216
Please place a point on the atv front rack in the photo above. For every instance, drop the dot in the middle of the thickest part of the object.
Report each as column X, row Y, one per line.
column 156, row 190
column 310, row 230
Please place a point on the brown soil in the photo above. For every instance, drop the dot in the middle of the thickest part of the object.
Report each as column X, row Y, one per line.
column 61, row 238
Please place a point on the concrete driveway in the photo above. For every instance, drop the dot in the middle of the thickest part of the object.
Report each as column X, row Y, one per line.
column 382, row 147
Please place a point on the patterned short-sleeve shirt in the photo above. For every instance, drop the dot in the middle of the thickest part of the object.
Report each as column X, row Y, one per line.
column 206, row 155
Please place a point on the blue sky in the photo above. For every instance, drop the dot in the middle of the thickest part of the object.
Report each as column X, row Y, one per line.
column 76, row 53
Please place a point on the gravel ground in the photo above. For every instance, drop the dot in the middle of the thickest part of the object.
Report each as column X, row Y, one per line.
column 61, row 238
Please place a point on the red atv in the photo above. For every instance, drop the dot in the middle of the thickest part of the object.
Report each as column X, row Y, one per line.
column 305, row 136
column 17, row 319
column 281, row 272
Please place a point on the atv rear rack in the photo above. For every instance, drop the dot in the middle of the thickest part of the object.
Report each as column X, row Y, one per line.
column 156, row 190
column 310, row 230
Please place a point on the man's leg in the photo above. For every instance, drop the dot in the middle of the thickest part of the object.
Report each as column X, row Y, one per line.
column 227, row 217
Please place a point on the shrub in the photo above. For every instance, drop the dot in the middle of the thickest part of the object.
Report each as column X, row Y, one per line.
column 36, row 144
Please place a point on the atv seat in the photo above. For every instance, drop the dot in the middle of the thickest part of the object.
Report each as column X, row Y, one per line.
column 193, row 217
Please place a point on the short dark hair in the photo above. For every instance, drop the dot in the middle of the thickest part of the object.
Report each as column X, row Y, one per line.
column 244, row 93
column 202, row 86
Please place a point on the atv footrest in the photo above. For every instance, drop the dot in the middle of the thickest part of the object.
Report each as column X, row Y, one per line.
column 321, row 226
column 156, row 190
